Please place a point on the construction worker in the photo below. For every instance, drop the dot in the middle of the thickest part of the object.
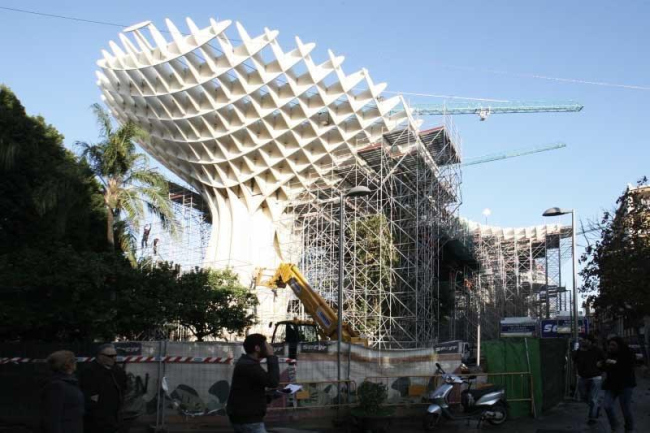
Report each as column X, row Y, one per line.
column 145, row 236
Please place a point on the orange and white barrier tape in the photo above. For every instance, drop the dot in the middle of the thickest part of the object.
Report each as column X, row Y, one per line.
column 145, row 359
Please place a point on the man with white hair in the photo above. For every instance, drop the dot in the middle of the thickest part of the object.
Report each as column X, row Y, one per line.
column 104, row 385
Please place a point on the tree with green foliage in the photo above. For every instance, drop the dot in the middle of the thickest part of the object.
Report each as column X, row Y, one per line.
column 59, row 294
column 128, row 184
column 617, row 268
column 146, row 300
column 51, row 216
column 58, row 282
column 374, row 257
column 46, row 195
column 212, row 303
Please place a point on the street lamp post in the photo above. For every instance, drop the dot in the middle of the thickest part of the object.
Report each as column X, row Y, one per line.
column 357, row 191
column 556, row 211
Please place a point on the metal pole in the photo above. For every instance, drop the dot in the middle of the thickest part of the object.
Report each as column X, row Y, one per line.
column 530, row 375
column 548, row 308
column 160, row 400
column 575, row 276
column 162, row 405
column 478, row 331
column 558, row 299
column 339, row 326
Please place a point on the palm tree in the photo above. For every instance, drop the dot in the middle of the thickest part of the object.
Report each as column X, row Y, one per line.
column 128, row 184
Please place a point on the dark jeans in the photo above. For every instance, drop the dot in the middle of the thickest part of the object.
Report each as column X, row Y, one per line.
column 589, row 390
column 625, row 400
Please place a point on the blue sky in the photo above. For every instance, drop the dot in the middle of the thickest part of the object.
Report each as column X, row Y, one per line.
column 414, row 46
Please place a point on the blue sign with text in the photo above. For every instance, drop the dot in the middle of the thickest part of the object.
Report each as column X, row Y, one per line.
column 518, row 329
column 554, row 328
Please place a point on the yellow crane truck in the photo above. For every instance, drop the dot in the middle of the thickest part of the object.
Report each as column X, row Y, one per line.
column 325, row 319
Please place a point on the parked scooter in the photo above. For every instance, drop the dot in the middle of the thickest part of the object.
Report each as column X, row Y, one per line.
column 481, row 404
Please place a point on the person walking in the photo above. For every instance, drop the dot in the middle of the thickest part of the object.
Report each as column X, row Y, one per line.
column 246, row 405
column 103, row 384
column 619, row 383
column 62, row 403
column 586, row 360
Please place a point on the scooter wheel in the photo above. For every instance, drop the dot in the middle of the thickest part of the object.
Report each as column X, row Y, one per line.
column 430, row 421
column 501, row 414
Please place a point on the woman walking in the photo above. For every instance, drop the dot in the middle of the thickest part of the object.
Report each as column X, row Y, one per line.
column 62, row 403
column 620, row 382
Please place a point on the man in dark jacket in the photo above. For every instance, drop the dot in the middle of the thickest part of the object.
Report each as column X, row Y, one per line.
column 586, row 360
column 247, row 400
column 62, row 403
column 619, row 383
column 103, row 384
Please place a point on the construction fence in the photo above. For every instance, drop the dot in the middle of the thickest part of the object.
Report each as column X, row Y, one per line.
column 546, row 359
column 197, row 378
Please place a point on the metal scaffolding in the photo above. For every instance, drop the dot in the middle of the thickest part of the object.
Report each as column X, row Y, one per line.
column 415, row 273
column 519, row 275
column 393, row 238
column 186, row 250
column 556, row 298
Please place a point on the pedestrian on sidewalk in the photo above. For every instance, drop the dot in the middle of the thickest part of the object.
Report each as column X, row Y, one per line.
column 103, row 384
column 619, row 383
column 586, row 360
column 247, row 400
column 62, row 403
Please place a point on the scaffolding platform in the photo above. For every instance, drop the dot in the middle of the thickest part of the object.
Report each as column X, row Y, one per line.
column 393, row 239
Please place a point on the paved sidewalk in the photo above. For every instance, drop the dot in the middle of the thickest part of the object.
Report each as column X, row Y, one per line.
column 568, row 417
column 571, row 416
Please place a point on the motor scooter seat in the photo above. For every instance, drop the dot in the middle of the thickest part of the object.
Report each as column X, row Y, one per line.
column 478, row 393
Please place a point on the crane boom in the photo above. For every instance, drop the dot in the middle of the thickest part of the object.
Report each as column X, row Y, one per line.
column 326, row 317
column 511, row 154
column 485, row 108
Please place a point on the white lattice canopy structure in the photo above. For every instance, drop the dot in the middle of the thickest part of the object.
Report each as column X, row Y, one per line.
column 523, row 234
column 244, row 122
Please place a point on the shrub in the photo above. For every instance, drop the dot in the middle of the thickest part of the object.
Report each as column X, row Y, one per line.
column 372, row 396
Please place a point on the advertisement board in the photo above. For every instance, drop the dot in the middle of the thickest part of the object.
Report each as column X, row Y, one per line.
column 561, row 327
column 448, row 347
column 129, row 348
column 278, row 349
column 314, row 347
column 518, row 329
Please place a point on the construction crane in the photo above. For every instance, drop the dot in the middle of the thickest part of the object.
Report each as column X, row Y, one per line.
column 325, row 318
column 485, row 108
column 512, row 154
